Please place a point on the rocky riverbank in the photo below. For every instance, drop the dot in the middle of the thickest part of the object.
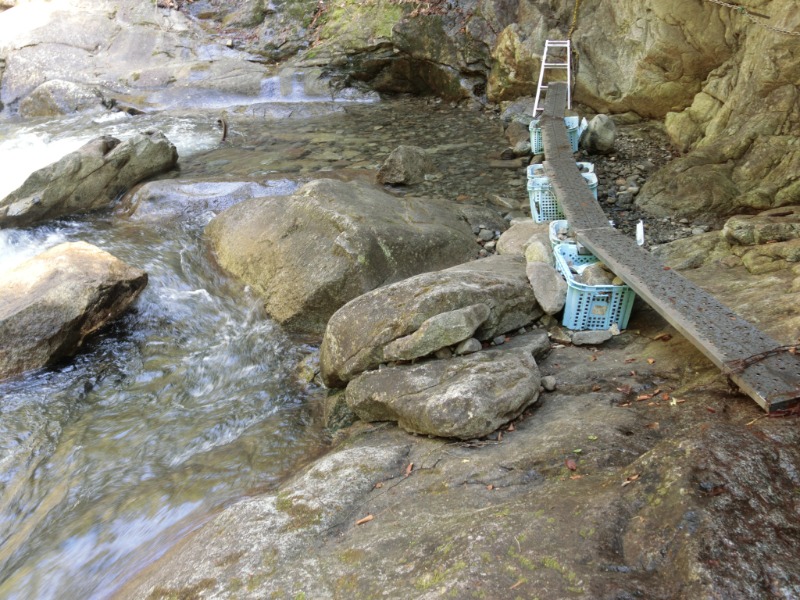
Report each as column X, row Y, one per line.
column 525, row 462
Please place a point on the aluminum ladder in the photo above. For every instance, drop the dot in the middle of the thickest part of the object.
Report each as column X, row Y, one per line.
column 557, row 62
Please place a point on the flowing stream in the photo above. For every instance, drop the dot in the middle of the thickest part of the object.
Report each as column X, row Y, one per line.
column 192, row 399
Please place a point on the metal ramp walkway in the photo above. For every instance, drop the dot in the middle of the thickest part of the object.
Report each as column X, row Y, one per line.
column 758, row 364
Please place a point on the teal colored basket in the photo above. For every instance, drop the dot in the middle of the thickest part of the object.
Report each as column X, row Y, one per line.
column 574, row 132
column 591, row 306
column 544, row 205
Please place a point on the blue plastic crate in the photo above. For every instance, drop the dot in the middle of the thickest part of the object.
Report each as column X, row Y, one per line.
column 574, row 131
column 544, row 205
column 591, row 306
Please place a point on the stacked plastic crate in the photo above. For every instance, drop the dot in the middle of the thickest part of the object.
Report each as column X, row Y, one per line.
column 543, row 201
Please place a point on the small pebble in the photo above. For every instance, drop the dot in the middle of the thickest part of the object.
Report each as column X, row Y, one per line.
column 549, row 383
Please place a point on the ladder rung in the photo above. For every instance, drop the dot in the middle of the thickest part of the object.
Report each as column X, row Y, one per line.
column 554, row 65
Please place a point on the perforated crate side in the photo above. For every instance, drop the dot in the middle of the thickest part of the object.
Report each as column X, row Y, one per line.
column 544, row 205
column 573, row 132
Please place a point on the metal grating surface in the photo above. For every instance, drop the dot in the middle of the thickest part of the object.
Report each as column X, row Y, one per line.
column 754, row 361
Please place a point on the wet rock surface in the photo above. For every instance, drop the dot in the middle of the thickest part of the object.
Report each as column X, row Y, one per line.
column 640, row 476
column 52, row 302
column 87, row 179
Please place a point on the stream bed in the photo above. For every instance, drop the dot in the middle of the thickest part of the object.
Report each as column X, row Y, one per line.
column 192, row 399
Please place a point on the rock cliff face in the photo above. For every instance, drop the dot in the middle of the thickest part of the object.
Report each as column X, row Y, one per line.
column 723, row 80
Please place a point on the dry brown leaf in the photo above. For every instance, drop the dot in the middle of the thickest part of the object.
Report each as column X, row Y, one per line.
column 516, row 585
column 643, row 397
column 633, row 373
column 664, row 337
column 593, row 357
column 576, row 476
column 366, row 519
column 596, row 388
column 665, row 396
column 630, row 479
column 630, row 360
column 625, row 389
column 653, row 425
column 379, row 485
column 499, row 436
column 571, row 464
column 624, row 405
column 490, row 487
column 511, row 427
column 408, row 470
column 651, row 361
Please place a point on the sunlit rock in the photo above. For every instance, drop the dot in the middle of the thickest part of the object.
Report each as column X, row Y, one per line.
column 50, row 303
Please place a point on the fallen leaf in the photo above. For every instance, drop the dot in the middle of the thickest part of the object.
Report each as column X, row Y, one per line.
column 651, row 361
column 643, row 397
column 668, row 268
column 653, row 425
column 516, row 585
column 656, row 391
column 793, row 350
column 366, row 519
column 379, row 485
column 511, row 427
column 711, row 410
column 499, row 436
column 408, row 470
column 630, row 360
column 596, row 388
column 673, row 402
column 630, row 479
column 591, row 438
column 665, row 396
column 633, row 373
column 593, row 357
column 664, row 337
column 490, row 487
column 624, row 405
column 577, row 451
column 717, row 490
column 571, row 464
column 575, row 476
column 625, row 389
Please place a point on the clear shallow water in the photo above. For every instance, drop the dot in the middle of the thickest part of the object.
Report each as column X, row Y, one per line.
column 191, row 400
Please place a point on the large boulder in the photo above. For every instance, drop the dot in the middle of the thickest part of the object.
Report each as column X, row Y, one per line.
column 58, row 97
column 92, row 177
column 465, row 397
column 310, row 253
column 370, row 329
column 53, row 301
column 600, row 135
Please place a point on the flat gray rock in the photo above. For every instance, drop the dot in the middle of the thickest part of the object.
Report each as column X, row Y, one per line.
column 466, row 397
column 358, row 333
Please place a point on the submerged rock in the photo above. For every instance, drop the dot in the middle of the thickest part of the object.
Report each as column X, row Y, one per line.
column 309, row 253
column 466, row 397
column 406, row 165
column 92, row 177
column 359, row 334
column 52, row 302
